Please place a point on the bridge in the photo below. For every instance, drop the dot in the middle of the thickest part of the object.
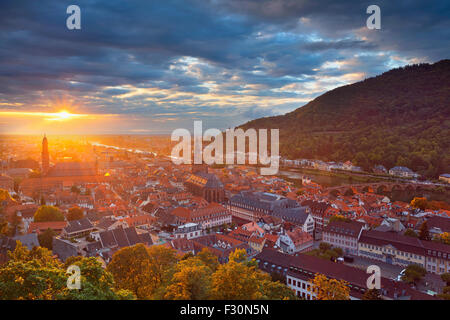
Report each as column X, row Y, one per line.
column 378, row 187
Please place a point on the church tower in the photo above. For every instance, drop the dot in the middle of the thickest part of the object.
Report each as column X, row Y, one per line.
column 45, row 156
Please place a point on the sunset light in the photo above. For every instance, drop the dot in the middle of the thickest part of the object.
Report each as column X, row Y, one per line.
column 64, row 115
column 233, row 159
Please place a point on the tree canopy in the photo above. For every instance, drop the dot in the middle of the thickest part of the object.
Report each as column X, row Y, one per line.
column 355, row 122
column 46, row 238
column 48, row 213
column 329, row 289
column 75, row 213
column 413, row 273
column 36, row 275
column 157, row 273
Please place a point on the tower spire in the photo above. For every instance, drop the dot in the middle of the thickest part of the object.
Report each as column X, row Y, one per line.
column 45, row 156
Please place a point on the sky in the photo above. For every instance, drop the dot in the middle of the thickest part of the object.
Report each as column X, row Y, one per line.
column 149, row 67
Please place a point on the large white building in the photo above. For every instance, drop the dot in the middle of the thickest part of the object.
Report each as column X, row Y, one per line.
column 344, row 235
column 300, row 269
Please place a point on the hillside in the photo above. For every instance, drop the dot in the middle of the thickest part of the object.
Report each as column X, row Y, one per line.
column 401, row 117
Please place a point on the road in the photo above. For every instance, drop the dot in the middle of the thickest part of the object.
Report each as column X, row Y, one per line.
column 387, row 270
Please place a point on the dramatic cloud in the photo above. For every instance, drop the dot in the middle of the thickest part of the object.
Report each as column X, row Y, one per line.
column 159, row 65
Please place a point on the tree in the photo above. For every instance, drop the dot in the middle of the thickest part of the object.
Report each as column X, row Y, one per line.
column 96, row 282
column 240, row 279
column 423, row 233
column 191, row 280
column 4, row 227
column 46, row 238
column 208, row 258
column 130, row 268
column 141, row 270
column 276, row 276
column 48, row 213
column 411, row 233
column 35, row 274
column 443, row 237
column 413, row 273
column 372, row 294
column 75, row 189
column 75, row 213
column 339, row 218
column 16, row 225
column 329, row 289
column 326, row 251
column 419, row 203
column 446, row 278
column 323, row 246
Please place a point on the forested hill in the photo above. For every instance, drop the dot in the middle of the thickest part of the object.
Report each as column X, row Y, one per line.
column 401, row 117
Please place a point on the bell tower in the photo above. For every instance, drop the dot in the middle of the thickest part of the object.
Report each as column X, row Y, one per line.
column 45, row 157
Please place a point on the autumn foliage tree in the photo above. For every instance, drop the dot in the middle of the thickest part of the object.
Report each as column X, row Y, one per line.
column 191, row 280
column 329, row 289
column 75, row 213
column 419, row 203
column 372, row 294
column 141, row 270
column 424, row 234
column 443, row 237
column 46, row 238
column 413, row 273
column 240, row 279
column 36, row 275
column 157, row 273
column 48, row 213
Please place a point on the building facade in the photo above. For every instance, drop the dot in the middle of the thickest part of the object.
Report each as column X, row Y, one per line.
column 344, row 235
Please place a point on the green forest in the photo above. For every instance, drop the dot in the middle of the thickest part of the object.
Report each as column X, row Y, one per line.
column 399, row 118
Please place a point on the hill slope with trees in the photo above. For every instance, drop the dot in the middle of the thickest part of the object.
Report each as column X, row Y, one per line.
column 399, row 118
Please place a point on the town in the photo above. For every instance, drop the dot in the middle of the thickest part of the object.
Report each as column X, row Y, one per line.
column 79, row 197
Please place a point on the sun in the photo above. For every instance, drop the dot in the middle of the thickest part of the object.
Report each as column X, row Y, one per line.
column 64, row 115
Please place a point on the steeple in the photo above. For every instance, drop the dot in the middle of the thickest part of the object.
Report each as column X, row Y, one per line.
column 45, row 156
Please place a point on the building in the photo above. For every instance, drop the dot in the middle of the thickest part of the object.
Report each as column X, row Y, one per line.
column 445, row 177
column 39, row 227
column 73, row 169
column 299, row 270
column 437, row 225
column 45, row 159
column 295, row 241
column 403, row 172
column 299, row 216
column 6, row 182
column 344, row 235
column 123, row 237
column 211, row 216
column 221, row 246
column 318, row 212
column 204, row 184
column 252, row 206
column 402, row 250
column 62, row 176
column 103, row 244
column 9, row 244
column 78, row 228
column 188, row 231
column 380, row 169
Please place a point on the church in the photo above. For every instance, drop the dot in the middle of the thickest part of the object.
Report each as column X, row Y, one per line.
column 65, row 169
column 204, row 184
column 61, row 176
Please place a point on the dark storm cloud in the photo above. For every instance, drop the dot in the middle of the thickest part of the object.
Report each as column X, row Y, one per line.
column 417, row 27
column 239, row 58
